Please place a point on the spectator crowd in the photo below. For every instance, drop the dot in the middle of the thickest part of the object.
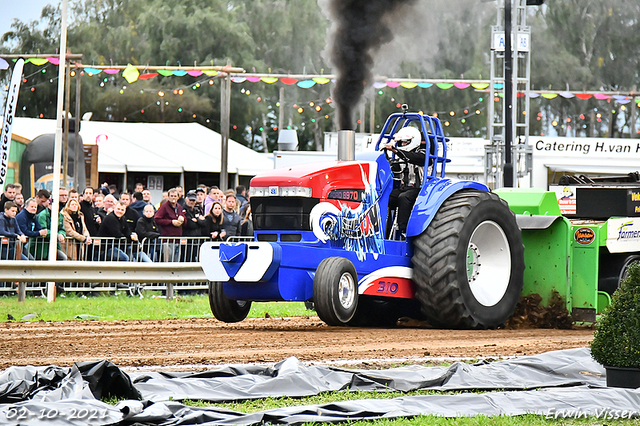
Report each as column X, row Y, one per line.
column 104, row 224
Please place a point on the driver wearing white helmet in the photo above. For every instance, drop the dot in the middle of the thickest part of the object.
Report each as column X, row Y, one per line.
column 408, row 168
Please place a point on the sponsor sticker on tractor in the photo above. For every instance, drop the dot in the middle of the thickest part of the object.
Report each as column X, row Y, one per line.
column 566, row 196
column 584, row 236
column 623, row 235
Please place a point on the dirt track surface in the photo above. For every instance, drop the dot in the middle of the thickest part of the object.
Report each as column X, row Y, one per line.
column 207, row 341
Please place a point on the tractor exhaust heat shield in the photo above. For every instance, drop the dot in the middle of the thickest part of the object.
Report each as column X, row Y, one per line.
column 346, row 145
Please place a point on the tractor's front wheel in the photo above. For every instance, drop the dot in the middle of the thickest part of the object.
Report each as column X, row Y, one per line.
column 468, row 264
column 335, row 291
column 225, row 309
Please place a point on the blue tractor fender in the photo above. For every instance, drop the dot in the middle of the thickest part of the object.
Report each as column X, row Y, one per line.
column 432, row 194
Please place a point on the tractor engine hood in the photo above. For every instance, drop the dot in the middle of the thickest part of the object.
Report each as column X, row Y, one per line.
column 339, row 180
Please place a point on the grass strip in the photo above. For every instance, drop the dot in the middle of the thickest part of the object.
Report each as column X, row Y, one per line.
column 120, row 307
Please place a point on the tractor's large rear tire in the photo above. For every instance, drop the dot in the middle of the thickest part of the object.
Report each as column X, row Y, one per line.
column 468, row 264
column 225, row 309
column 335, row 291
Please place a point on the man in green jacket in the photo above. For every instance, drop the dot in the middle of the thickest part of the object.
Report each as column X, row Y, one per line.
column 42, row 245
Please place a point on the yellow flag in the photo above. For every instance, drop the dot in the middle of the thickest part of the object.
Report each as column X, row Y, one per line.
column 130, row 73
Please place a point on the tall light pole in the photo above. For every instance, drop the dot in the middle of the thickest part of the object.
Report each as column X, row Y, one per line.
column 57, row 151
column 507, row 155
column 508, row 93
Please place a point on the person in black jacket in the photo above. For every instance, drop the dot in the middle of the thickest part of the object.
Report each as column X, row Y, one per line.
column 148, row 233
column 114, row 225
column 213, row 223
column 193, row 227
column 9, row 194
column 131, row 216
column 246, row 224
column 194, row 217
column 91, row 218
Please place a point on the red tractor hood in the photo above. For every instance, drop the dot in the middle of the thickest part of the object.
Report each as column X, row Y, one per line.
column 320, row 177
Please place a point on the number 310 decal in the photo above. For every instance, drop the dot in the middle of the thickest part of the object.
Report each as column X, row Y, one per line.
column 387, row 287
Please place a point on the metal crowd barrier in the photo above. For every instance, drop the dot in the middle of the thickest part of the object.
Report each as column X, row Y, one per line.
column 102, row 249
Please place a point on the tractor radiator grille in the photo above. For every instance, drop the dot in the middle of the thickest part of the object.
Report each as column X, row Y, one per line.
column 282, row 213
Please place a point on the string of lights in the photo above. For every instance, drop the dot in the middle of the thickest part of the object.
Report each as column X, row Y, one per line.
column 460, row 114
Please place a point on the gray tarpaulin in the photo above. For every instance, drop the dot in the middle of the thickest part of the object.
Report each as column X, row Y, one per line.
column 292, row 378
column 562, row 383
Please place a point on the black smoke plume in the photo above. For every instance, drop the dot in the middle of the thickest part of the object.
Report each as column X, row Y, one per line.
column 359, row 28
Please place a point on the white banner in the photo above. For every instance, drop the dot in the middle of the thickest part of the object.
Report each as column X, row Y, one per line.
column 7, row 124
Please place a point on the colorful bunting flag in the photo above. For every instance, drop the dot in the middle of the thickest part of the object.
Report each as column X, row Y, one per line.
column 306, row 84
column 480, row 86
column 130, row 73
column 444, row 86
column 37, row 61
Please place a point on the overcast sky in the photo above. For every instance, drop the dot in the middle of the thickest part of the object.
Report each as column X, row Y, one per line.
column 24, row 10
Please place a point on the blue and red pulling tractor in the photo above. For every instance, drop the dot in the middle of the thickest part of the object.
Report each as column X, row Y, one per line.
column 324, row 233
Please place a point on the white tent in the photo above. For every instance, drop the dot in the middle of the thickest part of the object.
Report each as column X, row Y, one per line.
column 155, row 147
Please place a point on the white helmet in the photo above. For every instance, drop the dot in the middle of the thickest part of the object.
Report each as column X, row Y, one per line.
column 407, row 139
